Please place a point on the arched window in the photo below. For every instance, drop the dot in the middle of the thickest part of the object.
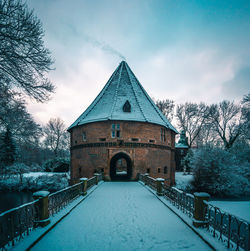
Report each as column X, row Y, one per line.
column 126, row 107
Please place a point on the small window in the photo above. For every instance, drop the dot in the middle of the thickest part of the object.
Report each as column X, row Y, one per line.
column 148, row 170
column 163, row 135
column 159, row 170
column 102, row 139
column 118, row 134
column 102, row 170
column 165, row 170
column 79, row 170
column 126, row 107
column 75, row 141
column 135, row 139
column 115, row 132
column 151, row 141
column 84, row 136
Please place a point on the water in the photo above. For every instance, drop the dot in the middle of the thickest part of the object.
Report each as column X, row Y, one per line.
column 10, row 200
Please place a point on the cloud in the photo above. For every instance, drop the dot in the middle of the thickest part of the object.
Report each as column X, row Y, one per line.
column 174, row 53
column 78, row 83
column 187, row 74
column 239, row 85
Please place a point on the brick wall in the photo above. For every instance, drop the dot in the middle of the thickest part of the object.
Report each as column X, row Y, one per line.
column 92, row 149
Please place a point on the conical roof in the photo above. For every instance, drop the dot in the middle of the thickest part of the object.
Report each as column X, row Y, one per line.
column 123, row 98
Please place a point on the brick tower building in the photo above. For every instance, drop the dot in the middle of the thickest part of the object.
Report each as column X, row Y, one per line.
column 122, row 133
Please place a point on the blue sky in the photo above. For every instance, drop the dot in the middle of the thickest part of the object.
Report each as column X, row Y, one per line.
column 181, row 50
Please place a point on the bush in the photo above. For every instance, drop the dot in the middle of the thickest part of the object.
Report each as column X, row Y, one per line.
column 56, row 165
column 220, row 173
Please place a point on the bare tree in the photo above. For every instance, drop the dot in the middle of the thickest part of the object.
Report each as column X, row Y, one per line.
column 246, row 117
column 166, row 106
column 227, row 121
column 24, row 60
column 191, row 117
column 56, row 136
column 14, row 116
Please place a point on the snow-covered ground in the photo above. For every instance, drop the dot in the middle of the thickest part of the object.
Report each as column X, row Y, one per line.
column 182, row 180
column 237, row 208
column 34, row 181
column 37, row 174
column 121, row 216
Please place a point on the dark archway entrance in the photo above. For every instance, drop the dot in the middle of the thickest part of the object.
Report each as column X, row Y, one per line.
column 121, row 167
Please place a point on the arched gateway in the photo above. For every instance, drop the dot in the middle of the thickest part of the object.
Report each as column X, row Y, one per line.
column 119, row 171
column 122, row 133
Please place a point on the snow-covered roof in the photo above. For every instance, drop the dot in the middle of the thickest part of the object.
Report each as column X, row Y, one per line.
column 111, row 103
column 182, row 143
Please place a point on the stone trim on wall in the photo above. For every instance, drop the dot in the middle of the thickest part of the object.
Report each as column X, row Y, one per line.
column 121, row 144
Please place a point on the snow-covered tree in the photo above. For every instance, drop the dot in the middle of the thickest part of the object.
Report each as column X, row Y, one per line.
column 8, row 151
column 245, row 135
column 220, row 172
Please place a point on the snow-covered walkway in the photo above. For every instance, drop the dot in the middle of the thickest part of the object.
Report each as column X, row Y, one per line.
column 121, row 216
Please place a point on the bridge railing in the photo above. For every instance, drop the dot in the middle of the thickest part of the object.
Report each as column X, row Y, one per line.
column 91, row 182
column 20, row 221
column 17, row 223
column 62, row 198
column 230, row 229
column 180, row 199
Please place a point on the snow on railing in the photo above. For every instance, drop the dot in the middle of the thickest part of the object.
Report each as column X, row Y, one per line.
column 232, row 230
column 62, row 198
column 91, row 182
column 18, row 222
column 178, row 198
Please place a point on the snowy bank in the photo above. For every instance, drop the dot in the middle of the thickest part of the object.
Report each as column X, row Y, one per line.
column 34, row 181
column 240, row 209
column 182, row 180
